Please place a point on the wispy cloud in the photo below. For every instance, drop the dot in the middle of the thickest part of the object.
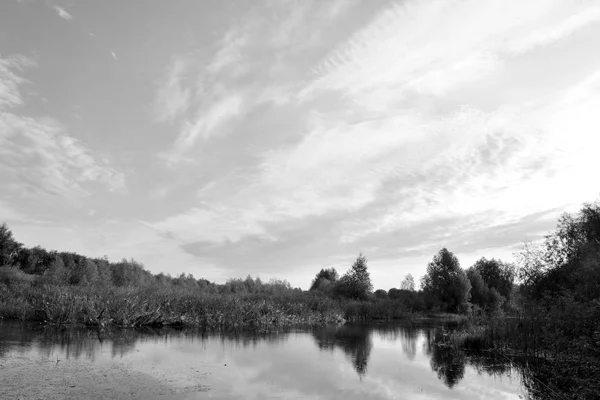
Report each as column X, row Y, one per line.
column 252, row 64
column 413, row 48
column 174, row 97
column 10, row 81
column 37, row 156
column 429, row 129
column 207, row 123
column 62, row 13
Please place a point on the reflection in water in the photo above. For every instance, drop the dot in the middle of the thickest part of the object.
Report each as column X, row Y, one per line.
column 447, row 361
column 76, row 343
column 354, row 340
column 406, row 335
column 276, row 361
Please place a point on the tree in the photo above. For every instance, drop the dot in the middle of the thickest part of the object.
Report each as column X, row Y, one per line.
column 408, row 283
column 324, row 279
column 447, row 282
column 567, row 261
column 9, row 247
column 356, row 283
column 57, row 272
column 478, row 288
column 496, row 275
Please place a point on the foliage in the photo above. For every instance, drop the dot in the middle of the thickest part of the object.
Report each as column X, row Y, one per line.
column 356, row 283
column 324, row 280
column 9, row 247
column 408, row 283
column 491, row 284
column 446, row 282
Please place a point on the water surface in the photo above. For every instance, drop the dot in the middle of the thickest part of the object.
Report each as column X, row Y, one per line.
column 349, row 362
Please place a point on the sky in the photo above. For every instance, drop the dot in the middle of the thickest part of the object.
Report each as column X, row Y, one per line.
column 275, row 138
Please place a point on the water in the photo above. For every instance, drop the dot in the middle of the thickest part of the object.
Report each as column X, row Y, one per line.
column 348, row 362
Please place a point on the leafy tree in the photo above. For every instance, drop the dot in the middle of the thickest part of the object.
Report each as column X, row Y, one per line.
column 478, row 288
column 9, row 247
column 36, row 260
column 57, row 272
column 381, row 294
column 356, row 283
column 567, row 260
column 324, row 279
column 408, row 283
column 447, row 282
column 496, row 275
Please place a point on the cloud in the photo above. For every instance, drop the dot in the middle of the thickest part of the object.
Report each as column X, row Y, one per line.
column 173, row 98
column 10, row 81
column 417, row 47
column 229, row 54
column 207, row 123
column 63, row 13
column 424, row 129
column 252, row 64
column 36, row 154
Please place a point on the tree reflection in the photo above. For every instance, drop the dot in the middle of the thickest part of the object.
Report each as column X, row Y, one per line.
column 406, row 335
column 354, row 341
column 77, row 342
column 446, row 361
column 449, row 361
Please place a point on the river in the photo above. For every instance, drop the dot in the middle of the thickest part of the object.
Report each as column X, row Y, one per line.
column 344, row 362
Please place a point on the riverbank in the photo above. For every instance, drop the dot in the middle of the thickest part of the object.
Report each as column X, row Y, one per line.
column 565, row 364
column 30, row 298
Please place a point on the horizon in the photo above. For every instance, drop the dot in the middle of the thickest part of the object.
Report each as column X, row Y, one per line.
column 277, row 138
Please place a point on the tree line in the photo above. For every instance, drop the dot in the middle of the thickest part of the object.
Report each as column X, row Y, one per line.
column 564, row 264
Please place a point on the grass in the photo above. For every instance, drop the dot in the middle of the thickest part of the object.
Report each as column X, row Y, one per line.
column 34, row 298
column 65, row 305
column 557, row 357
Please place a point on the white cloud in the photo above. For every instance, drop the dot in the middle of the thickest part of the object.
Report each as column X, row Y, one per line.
column 207, row 123
column 249, row 66
column 213, row 224
column 10, row 95
column 412, row 128
column 38, row 157
column 63, row 13
column 229, row 55
column 173, row 98
column 433, row 47
column 558, row 28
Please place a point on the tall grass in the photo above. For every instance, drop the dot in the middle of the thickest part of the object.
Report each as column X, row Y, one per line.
column 555, row 343
column 36, row 298
column 134, row 307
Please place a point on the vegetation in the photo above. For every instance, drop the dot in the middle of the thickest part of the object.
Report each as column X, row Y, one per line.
column 446, row 282
column 549, row 324
column 545, row 306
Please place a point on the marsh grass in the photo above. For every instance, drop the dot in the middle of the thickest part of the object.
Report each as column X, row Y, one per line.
column 36, row 298
column 555, row 350
column 136, row 307
column 380, row 309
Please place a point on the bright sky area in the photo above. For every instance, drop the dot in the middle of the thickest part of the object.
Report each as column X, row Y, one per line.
column 276, row 138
